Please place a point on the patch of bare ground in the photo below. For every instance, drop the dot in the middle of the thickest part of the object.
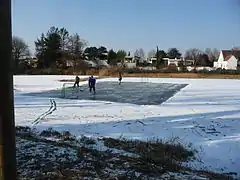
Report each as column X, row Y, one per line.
column 53, row 155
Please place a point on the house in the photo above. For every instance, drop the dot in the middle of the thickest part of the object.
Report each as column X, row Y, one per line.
column 152, row 60
column 188, row 62
column 130, row 62
column 90, row 64
column 96, row 63
column 69, row 63
column 228, row 59
column 101, row 62
column 129, row 59
column 32, row 61
column 130, row 65
column 169, row 61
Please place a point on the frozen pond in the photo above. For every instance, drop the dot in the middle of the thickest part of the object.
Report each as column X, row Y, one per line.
column 139, row 93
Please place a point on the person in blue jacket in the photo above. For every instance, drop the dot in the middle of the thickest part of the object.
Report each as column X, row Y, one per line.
column 91, row 84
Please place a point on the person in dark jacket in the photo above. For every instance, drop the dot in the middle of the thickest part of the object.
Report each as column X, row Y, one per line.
column 91, row 84
column 120, row 78
column 77, row 79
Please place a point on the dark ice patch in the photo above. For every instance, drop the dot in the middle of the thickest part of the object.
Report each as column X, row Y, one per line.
column 128, row 92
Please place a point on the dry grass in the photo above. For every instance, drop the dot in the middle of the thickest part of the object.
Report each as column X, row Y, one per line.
column 162, row 75
column 153, row 156
column 185, row 75
column 152, row 149
column 113, row 72
column 106, row 73
column 148, row 160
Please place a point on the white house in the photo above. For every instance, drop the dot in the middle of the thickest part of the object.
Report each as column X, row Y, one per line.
column 96, row 63
column 228, row 59
column 188, row 62
column 172, row 61
column 152, row 60
column 168, row 61
column 130, row 61
column 69, row 63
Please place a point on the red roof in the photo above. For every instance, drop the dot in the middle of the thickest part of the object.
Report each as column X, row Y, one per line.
column 227, row 58
column 227, row 54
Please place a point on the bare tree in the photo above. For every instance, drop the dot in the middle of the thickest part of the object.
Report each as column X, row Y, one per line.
column 64, row 34
column 152, row 53
column 213, row 54
column 216, row 53
column 192, row 53
column 140, row 53
column 20, row 50
column 208, row 51
column 75, row 48
column 136, row 53
column 76, row 45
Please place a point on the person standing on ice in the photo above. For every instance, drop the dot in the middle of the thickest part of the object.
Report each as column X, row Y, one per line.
column 91, row 84
column 120, row 78
column 77, row 79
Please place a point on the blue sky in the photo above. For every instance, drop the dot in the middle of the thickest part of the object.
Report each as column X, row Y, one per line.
column 131, row 24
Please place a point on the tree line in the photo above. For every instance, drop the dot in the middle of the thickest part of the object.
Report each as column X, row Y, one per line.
column 58, row 45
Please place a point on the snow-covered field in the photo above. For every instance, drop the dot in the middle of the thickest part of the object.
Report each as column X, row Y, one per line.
column 205, row 113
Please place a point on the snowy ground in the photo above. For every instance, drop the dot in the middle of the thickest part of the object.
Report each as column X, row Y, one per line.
column 205, row 113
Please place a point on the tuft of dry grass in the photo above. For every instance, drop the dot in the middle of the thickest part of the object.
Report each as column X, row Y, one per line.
column 154, row 155
column 152, row 149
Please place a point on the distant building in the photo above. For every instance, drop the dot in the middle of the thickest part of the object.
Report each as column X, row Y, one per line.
column 69, row 63
column 188, row 62
column 96, row 63
column 228, row 59
column 31, row 61
column 152, row 60
column 129, row 59
column 169, row 61
column 130, row 62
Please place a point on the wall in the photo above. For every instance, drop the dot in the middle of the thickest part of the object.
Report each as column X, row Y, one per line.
column 131, row 65
column 221, row 58
column 232, row 63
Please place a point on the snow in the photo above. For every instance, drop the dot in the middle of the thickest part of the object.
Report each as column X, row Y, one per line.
column 205, row 113
column 34, row 155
